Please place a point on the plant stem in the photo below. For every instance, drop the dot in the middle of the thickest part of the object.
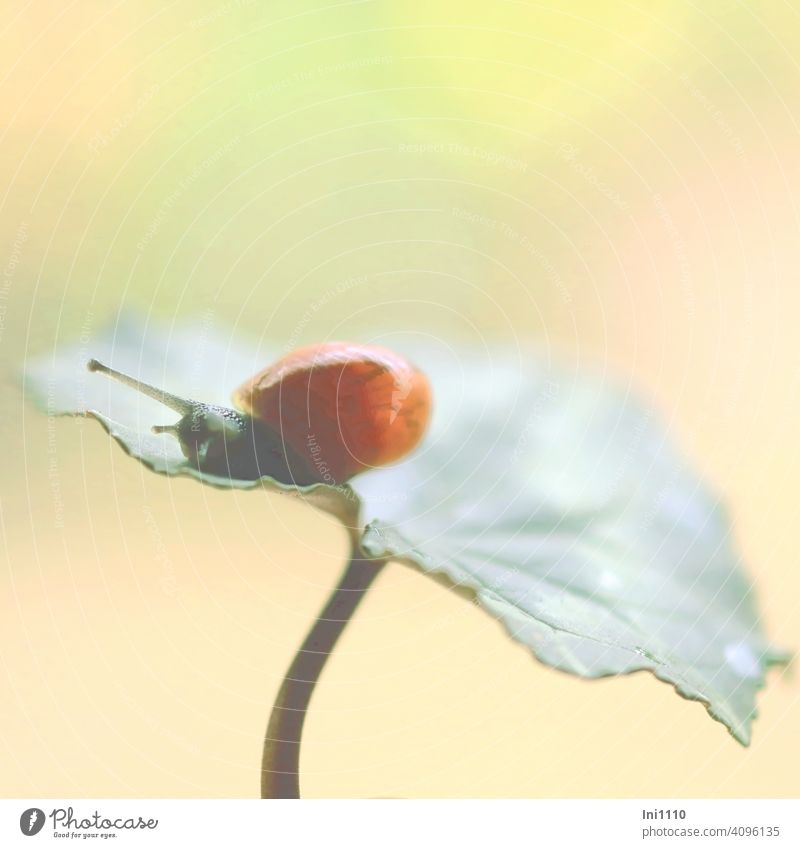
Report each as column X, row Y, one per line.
column 281, row 758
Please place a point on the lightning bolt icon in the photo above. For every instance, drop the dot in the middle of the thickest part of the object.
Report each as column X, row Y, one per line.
column 33, row 818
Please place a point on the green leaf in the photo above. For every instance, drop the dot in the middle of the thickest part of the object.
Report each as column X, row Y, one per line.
column 555, row 499
column 558, row 501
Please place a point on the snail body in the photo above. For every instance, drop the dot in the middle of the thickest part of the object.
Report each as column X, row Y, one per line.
column 320, row 414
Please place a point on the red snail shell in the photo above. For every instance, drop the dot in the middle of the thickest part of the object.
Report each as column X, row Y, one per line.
column 320, row 414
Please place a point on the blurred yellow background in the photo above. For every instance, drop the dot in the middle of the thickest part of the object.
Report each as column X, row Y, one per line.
column 617, row 182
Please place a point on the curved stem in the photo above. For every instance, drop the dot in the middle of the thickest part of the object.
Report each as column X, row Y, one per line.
column 281, row 756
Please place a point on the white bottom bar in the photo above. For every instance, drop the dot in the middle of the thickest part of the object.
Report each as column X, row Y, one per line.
column 400, row 823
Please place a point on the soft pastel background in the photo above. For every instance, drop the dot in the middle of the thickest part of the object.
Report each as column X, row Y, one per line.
column 615, row 181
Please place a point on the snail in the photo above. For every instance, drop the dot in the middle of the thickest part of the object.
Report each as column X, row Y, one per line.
column 320, row 414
